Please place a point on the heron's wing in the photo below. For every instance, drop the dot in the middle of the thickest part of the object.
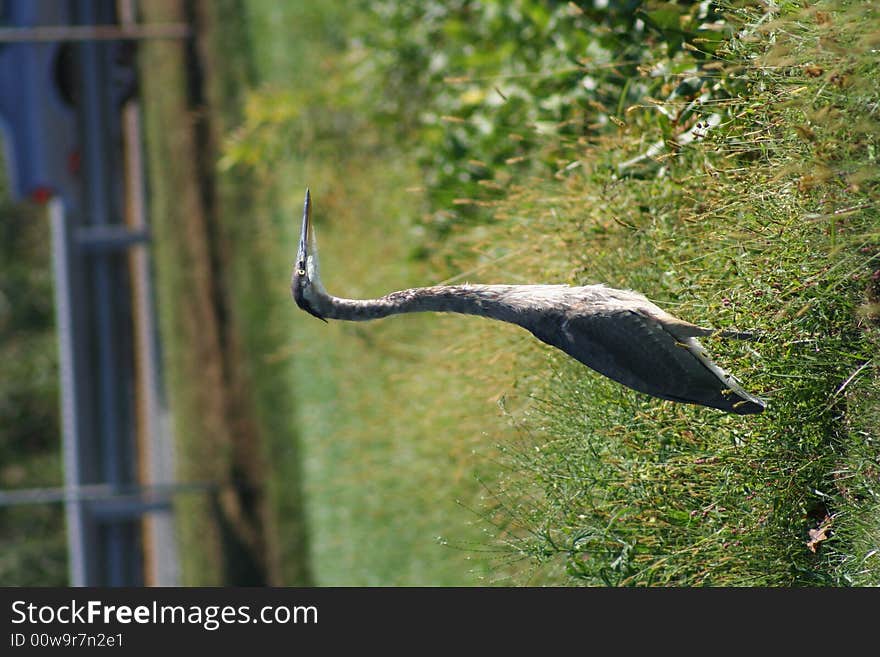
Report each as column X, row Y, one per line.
column 636, row 350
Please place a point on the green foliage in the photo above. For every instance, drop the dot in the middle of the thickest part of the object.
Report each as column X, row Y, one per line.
column 28, row 386
column 33, row 542
column 484, row 92
column 498, row 89
column 768, row 222
column 635, row 492
column 32, row 539
column 720, row 158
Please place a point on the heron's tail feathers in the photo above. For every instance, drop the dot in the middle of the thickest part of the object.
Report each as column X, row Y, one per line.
column 734, row 398
column 752, row 336
column 683, row 330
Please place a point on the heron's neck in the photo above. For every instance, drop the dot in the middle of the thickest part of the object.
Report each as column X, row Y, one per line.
column 507, row 303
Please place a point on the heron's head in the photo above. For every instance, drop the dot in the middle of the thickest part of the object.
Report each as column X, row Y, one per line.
column 306, row 282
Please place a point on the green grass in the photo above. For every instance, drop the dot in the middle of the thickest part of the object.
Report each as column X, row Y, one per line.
column 768, row 224
column 450, row 450
column 377, row 499
column 182, row 278
column 388, row 438
column 612, row 488
column 230, row 400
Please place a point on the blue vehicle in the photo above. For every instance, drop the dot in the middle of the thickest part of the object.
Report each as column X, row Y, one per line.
column 42, row 84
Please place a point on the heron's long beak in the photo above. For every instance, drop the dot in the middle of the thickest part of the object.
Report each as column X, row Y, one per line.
column 304, row 236
column 305, row 273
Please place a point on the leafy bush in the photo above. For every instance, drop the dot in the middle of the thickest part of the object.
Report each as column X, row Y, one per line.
column 485, row 92
column 491, row 88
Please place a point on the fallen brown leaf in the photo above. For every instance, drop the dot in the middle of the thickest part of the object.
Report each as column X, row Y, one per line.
column 819, row 534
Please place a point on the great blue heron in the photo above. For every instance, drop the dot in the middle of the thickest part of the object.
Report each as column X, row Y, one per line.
column 618, row 333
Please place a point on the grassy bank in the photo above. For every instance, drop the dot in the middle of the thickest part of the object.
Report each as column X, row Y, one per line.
column 452, row 450
column 768, row 223
column 388, row 469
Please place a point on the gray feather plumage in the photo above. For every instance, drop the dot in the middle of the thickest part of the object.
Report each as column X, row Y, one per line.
column 618, row 333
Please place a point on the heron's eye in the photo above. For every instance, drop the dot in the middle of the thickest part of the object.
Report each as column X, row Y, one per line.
column 301, row 271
